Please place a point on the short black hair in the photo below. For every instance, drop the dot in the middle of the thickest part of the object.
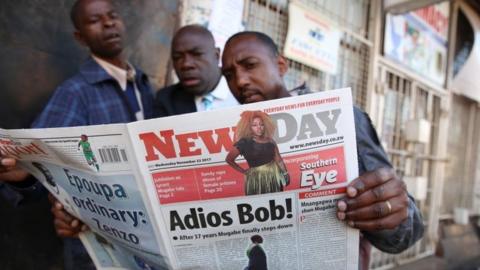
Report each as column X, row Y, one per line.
column 256, row 239
column 262, row 37
column 75, row 13
column 196, row 28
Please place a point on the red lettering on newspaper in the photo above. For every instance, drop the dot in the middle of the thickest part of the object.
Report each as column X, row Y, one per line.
column 16, row 150
column 166, row 142
column 188, row 143
column 322, row 193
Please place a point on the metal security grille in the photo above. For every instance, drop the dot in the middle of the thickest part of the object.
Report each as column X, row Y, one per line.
column 463, row 149
column 402, row 97
column 271, row 17
column 406, row 98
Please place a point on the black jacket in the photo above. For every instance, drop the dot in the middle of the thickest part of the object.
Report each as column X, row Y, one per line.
column 173, row 100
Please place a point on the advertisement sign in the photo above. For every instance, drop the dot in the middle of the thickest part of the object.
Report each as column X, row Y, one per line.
column 418, row 40
column 222, row 18
column 312, row 40
column 225, row 20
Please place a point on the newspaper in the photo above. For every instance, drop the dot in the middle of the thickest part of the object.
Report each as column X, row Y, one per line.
column 159, row 194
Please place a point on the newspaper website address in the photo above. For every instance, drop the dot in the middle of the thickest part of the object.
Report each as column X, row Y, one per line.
column 331, row 140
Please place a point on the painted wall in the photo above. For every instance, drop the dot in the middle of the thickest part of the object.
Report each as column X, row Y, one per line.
column 37, row 50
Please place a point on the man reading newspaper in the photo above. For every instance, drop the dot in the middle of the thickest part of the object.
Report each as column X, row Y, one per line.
column 377, row 202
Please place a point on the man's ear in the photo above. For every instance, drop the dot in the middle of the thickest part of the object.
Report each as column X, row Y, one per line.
column 79, row 38
column 282, row 65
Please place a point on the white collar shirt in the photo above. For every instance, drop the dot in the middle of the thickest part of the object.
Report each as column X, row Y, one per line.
column 222, row 97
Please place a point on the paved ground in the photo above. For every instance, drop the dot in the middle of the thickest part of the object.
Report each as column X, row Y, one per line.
column 429, row 263
column 435, row 263
column 459, row 249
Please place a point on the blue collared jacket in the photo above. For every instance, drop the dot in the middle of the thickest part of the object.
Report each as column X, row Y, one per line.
column 91, row 97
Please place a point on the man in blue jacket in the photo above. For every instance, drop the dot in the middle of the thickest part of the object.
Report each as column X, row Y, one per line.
column 106, row 90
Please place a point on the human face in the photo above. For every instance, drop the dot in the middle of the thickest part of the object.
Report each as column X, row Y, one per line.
column 257, row 127
column 252, row 72
column 195, row 60
column 100, row 29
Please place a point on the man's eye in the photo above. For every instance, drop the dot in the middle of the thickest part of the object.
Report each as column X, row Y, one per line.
column 250, row 65
column 197, row 54
column 93, row 20
column 113, row 15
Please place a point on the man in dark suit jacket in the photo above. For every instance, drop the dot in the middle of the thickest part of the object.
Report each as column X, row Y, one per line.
column 257, row 259
column 201, row 86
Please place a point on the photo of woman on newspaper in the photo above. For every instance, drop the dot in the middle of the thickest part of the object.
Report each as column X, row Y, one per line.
column 267, row 172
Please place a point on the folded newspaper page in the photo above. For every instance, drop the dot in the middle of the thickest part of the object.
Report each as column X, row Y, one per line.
column 250, row 187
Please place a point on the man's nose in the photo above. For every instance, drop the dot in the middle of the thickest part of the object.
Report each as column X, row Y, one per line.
column 242, row 80
column 108, row 22
column 187, row 62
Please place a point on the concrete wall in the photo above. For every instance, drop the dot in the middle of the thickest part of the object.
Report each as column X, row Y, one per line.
column 37, row 53
column 37, row 50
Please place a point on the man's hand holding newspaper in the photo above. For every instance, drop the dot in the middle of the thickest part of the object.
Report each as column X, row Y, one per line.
column 376, row 200
column 9, row 172
column 65, row 224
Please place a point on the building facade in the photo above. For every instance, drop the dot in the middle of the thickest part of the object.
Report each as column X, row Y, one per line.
column 399, row 59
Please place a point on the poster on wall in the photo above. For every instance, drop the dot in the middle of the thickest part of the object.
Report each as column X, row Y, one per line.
column 311, row 39
column 196, row 12
column 222, row 18
column 418, row 40
column 226, row 20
